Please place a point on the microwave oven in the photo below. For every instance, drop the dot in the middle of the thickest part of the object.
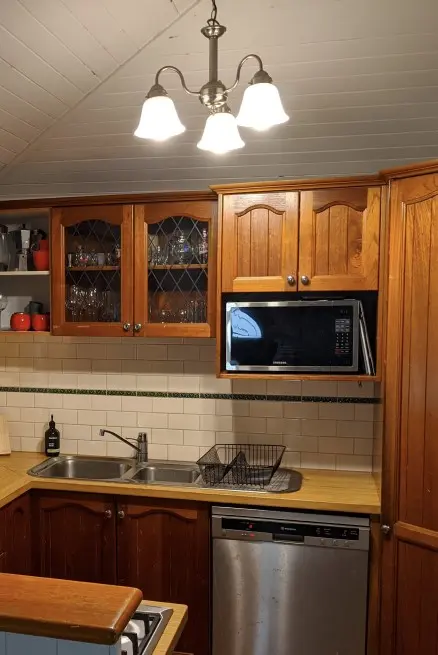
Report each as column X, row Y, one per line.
column 294, row 336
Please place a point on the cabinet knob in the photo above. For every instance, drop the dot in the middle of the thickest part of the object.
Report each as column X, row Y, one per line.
column 291, row 280
column 137, row 327
column 121, row 514
column 305, row 280
column 126, row 327
column 107, row 513
column 386, row 529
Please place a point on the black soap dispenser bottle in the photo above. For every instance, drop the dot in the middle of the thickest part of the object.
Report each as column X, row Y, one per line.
column 52, row 439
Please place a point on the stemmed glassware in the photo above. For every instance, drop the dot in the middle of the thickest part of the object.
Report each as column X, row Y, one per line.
column 3, row 305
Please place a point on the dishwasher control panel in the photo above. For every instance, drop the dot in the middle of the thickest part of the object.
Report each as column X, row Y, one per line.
column 325, row 535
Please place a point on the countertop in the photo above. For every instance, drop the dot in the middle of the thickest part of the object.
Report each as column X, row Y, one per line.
column 325, row 491
column 77, row 611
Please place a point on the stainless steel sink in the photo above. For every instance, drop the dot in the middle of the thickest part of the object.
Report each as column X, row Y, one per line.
column 167, row 473
column 83, row 468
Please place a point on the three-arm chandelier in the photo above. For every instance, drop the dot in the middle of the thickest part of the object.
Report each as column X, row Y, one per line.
column 261, row 104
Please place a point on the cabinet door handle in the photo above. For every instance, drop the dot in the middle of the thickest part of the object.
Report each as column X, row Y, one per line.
column 121, row 514
column 291, row 280
column 126, row 327
column 386, row 529
column 305, row 280
column 108, row 514
column 137, row 327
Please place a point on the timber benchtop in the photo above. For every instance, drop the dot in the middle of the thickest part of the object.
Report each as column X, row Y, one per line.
column 327, row 491
column 64, row 609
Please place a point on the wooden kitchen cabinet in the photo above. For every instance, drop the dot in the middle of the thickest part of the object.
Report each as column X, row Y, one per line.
column 92, row 272
column 75, row 537
column 15, row 537
column 259, row 241
column 163, row 548
column 175, row 269
column 409, row 604
column 339, row 239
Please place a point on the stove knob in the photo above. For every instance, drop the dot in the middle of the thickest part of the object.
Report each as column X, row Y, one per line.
column 322, row 542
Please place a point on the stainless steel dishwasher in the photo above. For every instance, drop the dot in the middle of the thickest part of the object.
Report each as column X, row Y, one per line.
column 289, row 583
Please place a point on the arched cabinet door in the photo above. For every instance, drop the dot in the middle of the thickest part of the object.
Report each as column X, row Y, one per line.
column 175, row 269
column 410, row 448
column 92, row 271
column 163, row 548
column 259, row 241
column 76, row 536
column 339, row 239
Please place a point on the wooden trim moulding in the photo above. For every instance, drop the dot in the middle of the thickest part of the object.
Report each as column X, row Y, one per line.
column 115, row 199
column 418, row 168
column 418, row 536
column 299, row 185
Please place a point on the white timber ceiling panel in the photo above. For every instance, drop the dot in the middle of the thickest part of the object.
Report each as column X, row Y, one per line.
column 55, row 52
column 358, row 79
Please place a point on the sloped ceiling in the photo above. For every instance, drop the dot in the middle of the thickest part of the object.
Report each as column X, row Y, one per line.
column 358, row 79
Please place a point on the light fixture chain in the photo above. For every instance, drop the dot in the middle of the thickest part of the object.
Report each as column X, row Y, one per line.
column 213, row 19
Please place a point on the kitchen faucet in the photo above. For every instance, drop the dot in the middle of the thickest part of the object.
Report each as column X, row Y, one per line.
column 141, row 447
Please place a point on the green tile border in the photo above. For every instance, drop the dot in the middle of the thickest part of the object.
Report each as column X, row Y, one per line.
column 213, row 396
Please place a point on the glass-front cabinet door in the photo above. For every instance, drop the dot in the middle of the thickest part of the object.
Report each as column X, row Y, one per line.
column 92, row 270
column 175, row 268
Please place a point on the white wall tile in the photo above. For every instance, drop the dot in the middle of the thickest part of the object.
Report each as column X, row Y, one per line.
column 252, row 387
column 122, row 351
column 18, row 364
column 336, row 445
column 152, row 420
column 90, row 351
column 66, row 416
column 17, row 399
column 353, row 463
column 162, row 436
column 356, row 389
column 301, row 444
column 121, row 382
column 301, row 410
column 318, row 461
column 38, row 380
column 47, row 365
column 151, row 383
column 106, row 366
column 168, row 405
column 63, row 380
column 90, row 417
column 167, row 368
column 127, row 419
column 199, row 438
column 183, row 353
column 207, row 353
column 363, row 446
column 136, row 404
column 76, row 401
column 49, row 400
column 118, row 449
column 93, row 381
column 113, row 403
column 336, row 411
column 157, row 451
column 32, row 445
column 32, row 350
column 360, row 429
column 9, row 379
column 198, row 368
column 69, row 447
column 149, row 353
column 92, row 448
column 82, row 432
column 232, row 407
column 62, row 351
column 291, row 459
column 284, row 388
column 320, row 428
column 215, row 422
column 76, row 365
column 363, row 412
column 184, row 421
column 319, row 388
column 199, row 406
column 231, row 437
column 16, row 446
column 263, row 408
column 212, row 384
column 249, row 425
column 34, row 414
column 183, row 384
column 183, row 453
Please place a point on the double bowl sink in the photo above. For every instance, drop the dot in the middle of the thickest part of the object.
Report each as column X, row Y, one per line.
column 109, row 469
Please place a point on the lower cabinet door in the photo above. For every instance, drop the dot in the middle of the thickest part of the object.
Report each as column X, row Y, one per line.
column 15, row 537
column 77, row 537
column 164, row 550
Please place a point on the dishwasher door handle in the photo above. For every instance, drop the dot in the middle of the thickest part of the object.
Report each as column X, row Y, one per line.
column 288, row 538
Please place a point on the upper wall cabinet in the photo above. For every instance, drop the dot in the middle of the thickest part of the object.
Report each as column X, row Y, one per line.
column 339, row 239
column 92, row 273
column 175, row 269
column 259, row 241
column 134, row 270
column 319, row 240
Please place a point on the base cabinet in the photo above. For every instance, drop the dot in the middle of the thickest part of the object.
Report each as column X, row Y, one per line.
column 75, row 537
column 15, row 537
column 161, row 547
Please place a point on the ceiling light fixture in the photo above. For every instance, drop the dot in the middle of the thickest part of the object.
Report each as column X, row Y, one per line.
column 261, row 104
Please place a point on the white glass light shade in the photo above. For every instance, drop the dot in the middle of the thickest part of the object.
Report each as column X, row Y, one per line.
column 159, row 119
column 221, row 134
column 261, row 107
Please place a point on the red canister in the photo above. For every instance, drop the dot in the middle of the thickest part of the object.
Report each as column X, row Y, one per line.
column 41, row 260
column 20, row 322
column 40, row 322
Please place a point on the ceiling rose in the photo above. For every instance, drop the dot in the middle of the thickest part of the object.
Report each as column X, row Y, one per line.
column 261, row 104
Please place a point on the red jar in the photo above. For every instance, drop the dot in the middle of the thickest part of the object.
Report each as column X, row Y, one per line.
column 40, row 322
column 41, row 260
column 20, row 322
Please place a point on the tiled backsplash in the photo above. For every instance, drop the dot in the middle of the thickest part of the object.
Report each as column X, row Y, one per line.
column 168, row 388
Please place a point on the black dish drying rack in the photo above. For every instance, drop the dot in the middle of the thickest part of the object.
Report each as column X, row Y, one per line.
column 240, row 464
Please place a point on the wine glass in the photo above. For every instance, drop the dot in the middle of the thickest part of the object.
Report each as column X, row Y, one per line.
column 3, row 304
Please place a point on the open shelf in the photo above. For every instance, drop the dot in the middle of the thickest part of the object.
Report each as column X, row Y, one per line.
column 178, row 267
column 82, row 269
column 15, row 273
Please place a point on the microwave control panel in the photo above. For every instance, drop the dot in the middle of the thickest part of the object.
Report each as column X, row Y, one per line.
column 343, row 332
